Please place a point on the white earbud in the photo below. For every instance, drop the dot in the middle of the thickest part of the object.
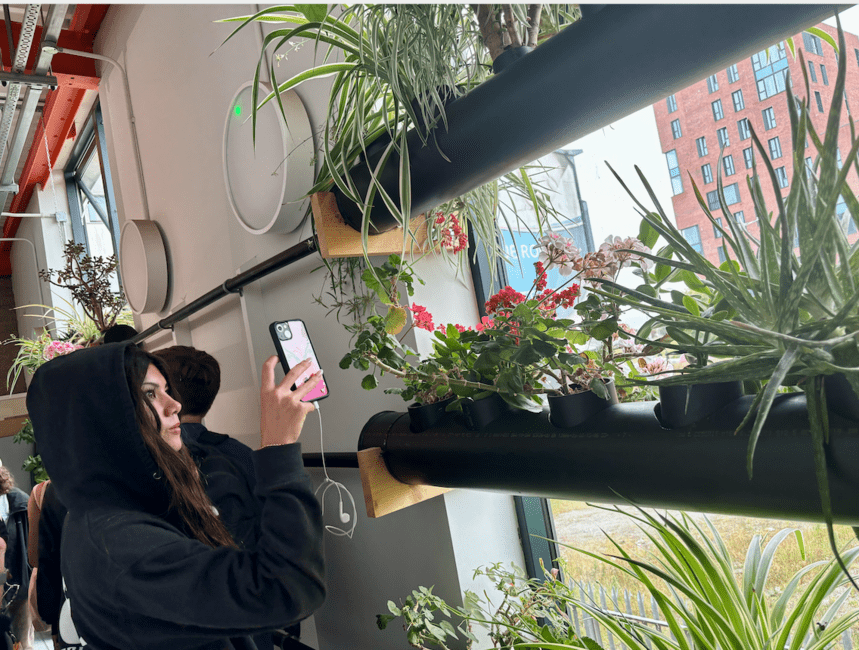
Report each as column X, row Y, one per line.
column 344, row 517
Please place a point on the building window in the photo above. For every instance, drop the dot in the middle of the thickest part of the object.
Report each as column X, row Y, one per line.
column 781, row 175
column 722, row 257
column 823, row 75
column 775, row 148
column 769, row 118
column 819, row 101
column 728, row 164
column 707, row 173
column 838, row 160
column 674, row 172
column 693, row 236
column 675, row 129
column 733, row 75
column 712, row 83
column 737, row 96
column 722, row 134
column 739, row 217
column 748, row 157
column 732, row 193
column 770, row 68
column 701, row 143
column 847, row 105
column 809, row 164
column 716, row 232
column 812, row 71
column 89, row 190
column 672, row 103
column 857, row 55
column 718, row 114
column 812, row 43
column 743, row 129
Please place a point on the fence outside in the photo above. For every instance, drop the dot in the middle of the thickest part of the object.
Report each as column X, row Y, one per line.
column 624, row 606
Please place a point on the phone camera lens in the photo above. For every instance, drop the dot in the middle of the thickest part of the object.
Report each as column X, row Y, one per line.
column 279, row 327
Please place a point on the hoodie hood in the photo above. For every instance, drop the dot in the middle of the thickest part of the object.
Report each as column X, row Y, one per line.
column 84, row 422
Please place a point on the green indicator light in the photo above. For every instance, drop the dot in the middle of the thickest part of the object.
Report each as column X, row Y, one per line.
column 237, row 109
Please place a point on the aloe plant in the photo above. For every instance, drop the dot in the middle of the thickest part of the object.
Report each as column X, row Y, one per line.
column 784, row 308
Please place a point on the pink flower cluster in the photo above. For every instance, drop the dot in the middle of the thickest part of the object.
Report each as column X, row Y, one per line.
column 612, row 255
column 59, row 348
column 558, row 251
column 654, row 365
column 453, row 237
column 423, row 320
column 549, row 299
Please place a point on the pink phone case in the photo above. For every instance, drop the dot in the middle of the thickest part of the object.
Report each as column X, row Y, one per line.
column 295, row 350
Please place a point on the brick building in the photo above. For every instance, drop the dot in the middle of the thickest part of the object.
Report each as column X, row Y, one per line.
column 695, row 122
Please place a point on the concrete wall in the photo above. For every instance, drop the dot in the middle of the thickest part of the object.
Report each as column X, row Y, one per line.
column 181, row 87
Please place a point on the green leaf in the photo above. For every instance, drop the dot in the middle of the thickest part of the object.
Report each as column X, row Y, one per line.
column 369, row 382
column 382, row 620
column 691, row 305
column 314, row 13
column 647, row 234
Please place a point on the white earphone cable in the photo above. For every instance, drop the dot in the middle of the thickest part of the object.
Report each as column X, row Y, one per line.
column 327, row 484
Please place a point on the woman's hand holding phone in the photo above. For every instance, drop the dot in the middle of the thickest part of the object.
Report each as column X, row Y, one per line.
column 282, row 412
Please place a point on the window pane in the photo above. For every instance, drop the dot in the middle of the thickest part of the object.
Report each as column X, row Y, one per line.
column 672, row 103
column 737, row 97
column 781, row 175
column 732, row 193
column 693, row 236
column 716, row 232
column 743, row 129
column 701, row 143
column 722, row 257
column 823, row 75
column 674, row 172
column 775, row 148
column 748, row 157
column 675, row 129
column 712, row 83
column 812, row 72
column 728, row 164
column 733, row 75
column 819, row 101
column 713, row 200
column 707, row 173
column 740, row 217
column 769, row 118
column 724, row 141
column 717, row 110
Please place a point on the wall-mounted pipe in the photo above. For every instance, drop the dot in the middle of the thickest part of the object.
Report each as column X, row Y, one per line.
column 35, row 264
column 604, row 67
column 624, row 451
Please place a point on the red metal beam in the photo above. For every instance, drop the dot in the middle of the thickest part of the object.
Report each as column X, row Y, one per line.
column 75, row 76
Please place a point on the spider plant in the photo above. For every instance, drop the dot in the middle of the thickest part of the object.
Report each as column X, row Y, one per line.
column 395, row 67
column 785, row 304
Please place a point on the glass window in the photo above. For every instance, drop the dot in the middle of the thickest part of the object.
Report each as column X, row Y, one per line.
column 712, row 83
column 748, row 157
column 812, row 43
column 819, row 101
column 675, row 129
column 743, row 129
column 672, row 103
column 770, row 66
column 737, row 97
column 707, row 173
column 722, row 257
column 728, row 164
column 733, row 75
column 716, row 232
column 809, row 164
column 769, row 118
column 713, row 200
column 775, row 148
column 781, row 175
column 823, row 75
column 723, row 138
column 718, row 114
column 838, row 160
column 674, row 172
column 732, row 193
column 812, row 71
column 855, row 51
column 701, row 143
column 693, row 236
column 739, row 217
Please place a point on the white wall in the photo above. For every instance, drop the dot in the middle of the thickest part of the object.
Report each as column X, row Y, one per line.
column 181, row 86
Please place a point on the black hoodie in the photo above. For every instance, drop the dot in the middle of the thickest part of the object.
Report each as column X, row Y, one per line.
column 135, row 579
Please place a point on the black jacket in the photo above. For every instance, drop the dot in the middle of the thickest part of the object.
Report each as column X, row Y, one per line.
column 135, row 579
column 17, row 528
column 49, row 579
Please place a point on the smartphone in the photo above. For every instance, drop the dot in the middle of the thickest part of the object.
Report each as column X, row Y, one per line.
column 293, row 346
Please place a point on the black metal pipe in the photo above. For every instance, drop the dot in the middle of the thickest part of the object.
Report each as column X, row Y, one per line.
column 339, row 460
column 607, row 65
column 624, row 453
column 234, row 285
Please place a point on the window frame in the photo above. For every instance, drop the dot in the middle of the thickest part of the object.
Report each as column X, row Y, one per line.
column 676, row 131
column 744, row 129
column 716, row 232
column 712, row 83
column 749, row 157
column 671, row 103
column 812, row 71
column 823, row 75
column 819, row 101
column 723, row 137
column 769, row 118
column 734, row 74
column 697, row 245
column 728, row 165
column 774, row 145
column 735, row 96
column 707, row 173
column 781, row 176
column 674, row 172
column 701, row 144
column 718, row 111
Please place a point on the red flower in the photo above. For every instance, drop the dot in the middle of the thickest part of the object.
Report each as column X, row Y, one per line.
column 453, row 236
column 422, row 318
column 484, row 323
column 505, row 299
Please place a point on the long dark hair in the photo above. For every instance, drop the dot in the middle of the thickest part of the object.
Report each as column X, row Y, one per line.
column 188, row 499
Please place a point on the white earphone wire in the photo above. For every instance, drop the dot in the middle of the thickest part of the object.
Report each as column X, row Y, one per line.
column 327, row 484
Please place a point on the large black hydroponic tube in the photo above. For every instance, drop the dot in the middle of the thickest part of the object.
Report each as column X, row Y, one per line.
column 623, row 452
column 602, row 68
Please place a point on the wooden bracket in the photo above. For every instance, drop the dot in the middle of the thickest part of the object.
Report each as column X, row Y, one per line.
column 383, row 494
column 337, row 239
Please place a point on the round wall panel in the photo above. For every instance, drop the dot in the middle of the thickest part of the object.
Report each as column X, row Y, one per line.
column 267, row 181
column 143, row 263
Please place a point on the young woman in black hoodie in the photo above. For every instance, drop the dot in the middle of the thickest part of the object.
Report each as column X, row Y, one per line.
column 146, row 560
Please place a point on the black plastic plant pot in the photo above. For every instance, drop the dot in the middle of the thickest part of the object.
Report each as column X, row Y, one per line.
column 683, row 406
column 426, row 416
column 568, row 411
column 624, row 452
column 484, row 411
column 840, row 397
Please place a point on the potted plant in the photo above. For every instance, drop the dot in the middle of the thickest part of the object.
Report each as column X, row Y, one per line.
column 784, row 308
